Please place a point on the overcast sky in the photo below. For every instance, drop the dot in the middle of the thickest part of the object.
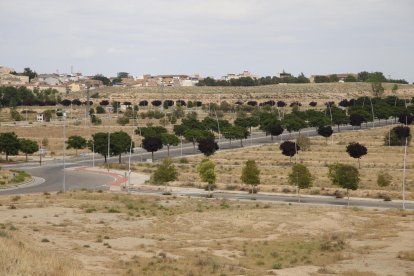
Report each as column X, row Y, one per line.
column 210, row 37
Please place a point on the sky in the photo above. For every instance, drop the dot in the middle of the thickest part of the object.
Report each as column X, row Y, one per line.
column 210, row 37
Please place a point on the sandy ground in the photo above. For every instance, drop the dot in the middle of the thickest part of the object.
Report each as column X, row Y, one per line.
column 116, row 234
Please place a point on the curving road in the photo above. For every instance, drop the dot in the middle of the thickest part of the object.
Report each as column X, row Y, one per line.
column 52, row 171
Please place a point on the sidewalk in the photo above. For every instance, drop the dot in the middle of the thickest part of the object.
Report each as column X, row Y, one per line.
column 120, row 177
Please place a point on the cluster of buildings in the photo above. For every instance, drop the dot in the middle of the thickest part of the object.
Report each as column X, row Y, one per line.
column 74, row 82
column 64, row 83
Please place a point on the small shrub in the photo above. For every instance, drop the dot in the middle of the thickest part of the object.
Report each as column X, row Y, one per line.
column 277, row 266
column 385, row 197
column 90, row 210
column 338, row 194
column 406, row 255
column 184, row 160
column 113, row 210
column 45, row 240
column 384, row 179
column 16, row 198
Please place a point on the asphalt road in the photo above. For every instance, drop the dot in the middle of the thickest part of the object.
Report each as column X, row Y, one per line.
column 52, row 171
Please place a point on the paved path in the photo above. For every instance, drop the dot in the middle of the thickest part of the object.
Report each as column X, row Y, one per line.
column 274, row 197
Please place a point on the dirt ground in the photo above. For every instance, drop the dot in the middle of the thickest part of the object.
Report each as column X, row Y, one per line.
column 92, row 233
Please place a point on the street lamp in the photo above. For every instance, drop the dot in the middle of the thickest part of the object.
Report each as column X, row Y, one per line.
column 218, row 127
column 109, row 153
column 64, row 152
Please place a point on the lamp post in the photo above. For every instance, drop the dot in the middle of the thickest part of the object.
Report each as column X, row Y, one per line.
column 93, row 153
column 64, row 153
column 109, row 152
column 218, row 127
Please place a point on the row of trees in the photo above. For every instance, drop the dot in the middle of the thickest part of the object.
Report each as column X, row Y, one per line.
column 248, row 81
column 11, row 96
column 342, row 175
column 363, row 76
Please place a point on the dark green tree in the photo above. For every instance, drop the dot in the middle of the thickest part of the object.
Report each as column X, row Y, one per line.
column 121, row 143
column 76, row 142
column 169, row 140
column 9, row 144
column 99, row 144
column 152, row 144
column 207, row 146
column 289, row 148
column 28, row 146
column 325, row 131
column 356, row 150
column 103, row 79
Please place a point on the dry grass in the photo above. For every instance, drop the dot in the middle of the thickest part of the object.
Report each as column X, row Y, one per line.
column 140, row 235
column 18, row 258
column 406, row 255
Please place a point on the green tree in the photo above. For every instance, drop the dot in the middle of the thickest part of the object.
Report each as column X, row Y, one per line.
column 293, row 122
column 339, row 116
column 394, row 88
column 397, row 135
column 194, row 135
column 169, row 140
column 301, row 177
column 344, row 176
column 121, row 142
column 251, row 174
column 99, row 144
column 47, row 114
column 350, row 78
column 103, row 79
column 165, row 172
column 235, row 132
column 151, row 131
column 15, row 115
column 76, row 142
column 28, row 146
column 122, row 75
column 377, row 88
column 95, row 120
column 9, row 144
column 30, row 73
column 247, row 122
column 206, row 170
column 303, row 142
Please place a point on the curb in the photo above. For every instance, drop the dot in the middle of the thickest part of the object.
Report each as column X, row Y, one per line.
column 34, row 181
